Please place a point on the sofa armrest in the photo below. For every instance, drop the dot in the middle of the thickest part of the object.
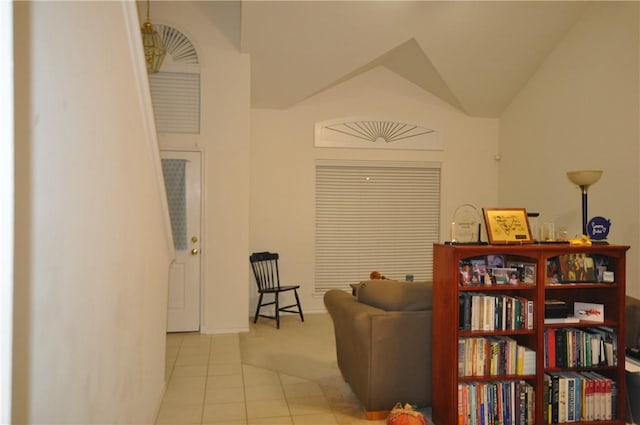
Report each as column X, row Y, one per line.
column 375, row 348
column 351, row 324
column 401, row 358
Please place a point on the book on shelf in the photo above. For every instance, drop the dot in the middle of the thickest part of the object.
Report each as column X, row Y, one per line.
column 494, row 356
column 585, row 347
column 502, row 402
column 556, row 320
column 578, row 396
column 484, row 312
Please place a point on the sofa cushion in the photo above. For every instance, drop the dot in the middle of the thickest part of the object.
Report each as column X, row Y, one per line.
column 393, row 295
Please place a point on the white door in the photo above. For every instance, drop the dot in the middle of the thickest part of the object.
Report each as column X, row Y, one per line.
column 182, row 180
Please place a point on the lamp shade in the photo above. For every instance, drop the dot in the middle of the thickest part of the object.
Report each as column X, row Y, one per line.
column 584, row 177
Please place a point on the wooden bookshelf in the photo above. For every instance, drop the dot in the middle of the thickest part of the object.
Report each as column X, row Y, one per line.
column 448, row 323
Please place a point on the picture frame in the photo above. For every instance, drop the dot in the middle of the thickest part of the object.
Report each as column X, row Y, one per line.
column 507, row 226
column 526, row 271
column 504, row 276
column 577, row 268
column 553, row 270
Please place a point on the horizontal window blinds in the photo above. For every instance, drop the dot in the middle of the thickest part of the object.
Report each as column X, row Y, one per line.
column 176, row 102
column 373, row 217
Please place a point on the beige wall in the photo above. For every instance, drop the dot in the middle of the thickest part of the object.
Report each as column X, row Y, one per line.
column 581, row 111
column 92, row 237
column 224, row 142
column 283, row 163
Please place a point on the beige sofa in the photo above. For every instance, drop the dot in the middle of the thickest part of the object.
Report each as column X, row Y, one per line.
column 383, row 342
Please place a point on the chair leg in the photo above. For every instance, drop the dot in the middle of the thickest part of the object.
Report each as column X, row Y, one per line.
column 255, row 319
column 295, row 292
column 277, row 311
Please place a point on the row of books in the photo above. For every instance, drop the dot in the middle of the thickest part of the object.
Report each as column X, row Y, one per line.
column 483, row 312
column 585, row 347
column 494, row 356
column 579, row 396
column 504, row 402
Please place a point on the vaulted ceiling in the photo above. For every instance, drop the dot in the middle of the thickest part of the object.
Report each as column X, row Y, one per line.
column 474, row 55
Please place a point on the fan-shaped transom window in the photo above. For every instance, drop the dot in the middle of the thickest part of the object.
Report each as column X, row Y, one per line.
column 179, row 47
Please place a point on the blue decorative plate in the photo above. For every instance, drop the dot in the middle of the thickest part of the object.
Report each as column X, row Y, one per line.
column 598, row 228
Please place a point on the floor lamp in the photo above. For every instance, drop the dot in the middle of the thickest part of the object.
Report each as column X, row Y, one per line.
column 584, row 179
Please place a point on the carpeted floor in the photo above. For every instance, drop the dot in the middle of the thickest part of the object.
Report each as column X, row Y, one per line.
column 304, row 350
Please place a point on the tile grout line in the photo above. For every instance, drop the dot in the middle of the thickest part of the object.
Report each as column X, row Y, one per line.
column 286, row 399
column 244, row 384
column 206, row 379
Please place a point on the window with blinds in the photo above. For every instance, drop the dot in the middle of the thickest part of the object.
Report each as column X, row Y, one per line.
column 382, row 216
column 176, row 102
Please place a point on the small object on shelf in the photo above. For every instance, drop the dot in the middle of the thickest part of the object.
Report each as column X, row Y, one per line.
column 598, row 229
column 582, row 240
column 533, row 218
column 554, row 309
column 548, row 232
column 589, row 311
column 466, row 227
column 507, row 226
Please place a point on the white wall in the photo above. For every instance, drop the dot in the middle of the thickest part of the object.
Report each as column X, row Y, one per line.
column 283, row 164
column 224, row 141
column 92, row 240
column 581, row 111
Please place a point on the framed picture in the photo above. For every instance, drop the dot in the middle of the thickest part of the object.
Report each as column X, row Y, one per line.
column 504, row 275
column 553, row 270
column 495, row 261
column 577, row 267
column 526, row 271
column 507, row 226
column 601, row 264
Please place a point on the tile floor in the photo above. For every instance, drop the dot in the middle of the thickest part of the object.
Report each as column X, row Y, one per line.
column 209, row 384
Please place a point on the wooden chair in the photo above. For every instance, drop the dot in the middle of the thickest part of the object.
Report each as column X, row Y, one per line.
column 265, row 271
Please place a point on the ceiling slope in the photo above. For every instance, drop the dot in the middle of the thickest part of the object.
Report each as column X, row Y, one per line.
column 474, row 55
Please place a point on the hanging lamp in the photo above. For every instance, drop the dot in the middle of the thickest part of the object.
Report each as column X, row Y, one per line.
column 154, row 50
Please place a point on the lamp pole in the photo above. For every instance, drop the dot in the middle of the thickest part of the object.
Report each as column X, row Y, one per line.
column 585, row 189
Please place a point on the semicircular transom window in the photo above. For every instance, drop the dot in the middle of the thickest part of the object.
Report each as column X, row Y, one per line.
column 178, row 45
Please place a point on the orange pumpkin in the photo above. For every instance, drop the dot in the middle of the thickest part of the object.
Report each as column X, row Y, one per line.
column 406, row 415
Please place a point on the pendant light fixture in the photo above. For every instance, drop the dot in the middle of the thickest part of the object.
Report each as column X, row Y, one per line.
column 154, row 50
